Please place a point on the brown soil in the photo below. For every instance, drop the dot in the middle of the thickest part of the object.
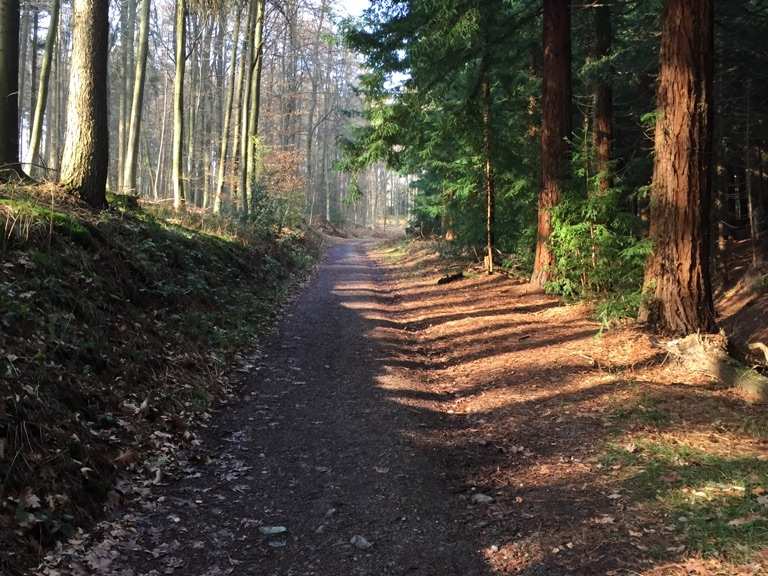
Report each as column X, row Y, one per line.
column 457, row 428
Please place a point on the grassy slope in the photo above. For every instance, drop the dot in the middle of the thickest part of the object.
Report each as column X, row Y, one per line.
column 116, row 330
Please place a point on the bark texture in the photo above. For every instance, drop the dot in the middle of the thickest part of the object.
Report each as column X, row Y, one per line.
column 677, row 279
column 221, row 168
column 132, row 150
column 9, row 88
column 178, row 105
column 555, row 127
column 85, row 159
column 42, row 91
column 257, row 47
column 602, row 135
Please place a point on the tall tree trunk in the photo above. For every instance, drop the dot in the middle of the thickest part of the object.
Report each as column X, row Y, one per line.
column 161, row 148
column 238, row 113
column 9, row 94
column 33, row 71
column 227, row 116
column 555, row 127
column 137, row 102
column 488, row 177
column 22, row 65
column 178, row 105
column 753, row 200
column 85, row 160
column 257, row 45
column 42, row 92
column 677, row 280
column 192, row 108
column 245, row 100
column 315, row 78
column 602, row 135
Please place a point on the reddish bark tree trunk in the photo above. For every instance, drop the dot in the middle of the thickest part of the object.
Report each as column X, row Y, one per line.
column 555, row 126
column 602, row 136
column 677, row 280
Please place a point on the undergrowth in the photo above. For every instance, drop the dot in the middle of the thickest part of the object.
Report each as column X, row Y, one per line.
column 115, row 332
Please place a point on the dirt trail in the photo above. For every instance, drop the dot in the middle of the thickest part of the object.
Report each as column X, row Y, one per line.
column 393, row 426
column 315, row 447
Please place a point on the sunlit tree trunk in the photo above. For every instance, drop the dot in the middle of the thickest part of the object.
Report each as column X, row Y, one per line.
column 245, row 100
column 488, row 176
column 257, row 48
column 602, row 135
column 85, row 160
column 677, row 279
column 227, row 116
column 42, row 92
column 137, row 102
column 555, row 127
column 178, row 106
column 161, row 148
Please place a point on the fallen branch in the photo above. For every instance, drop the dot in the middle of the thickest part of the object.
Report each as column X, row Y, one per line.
column 450, row 278
column 708, row 354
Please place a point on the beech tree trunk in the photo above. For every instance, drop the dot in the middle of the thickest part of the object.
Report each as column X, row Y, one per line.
column 178, row 105
column 132, row 150
column 602, row 135
column 85, row 161
column 257, row 46
column 33, row 154
column 227, row 116
column 245, row 100
column 9, row 89
column 555, row 127
column 677, row 279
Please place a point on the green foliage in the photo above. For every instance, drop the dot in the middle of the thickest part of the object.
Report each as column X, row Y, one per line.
column 597, row 248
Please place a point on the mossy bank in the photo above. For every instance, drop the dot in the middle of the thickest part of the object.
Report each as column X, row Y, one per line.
column 118, row 331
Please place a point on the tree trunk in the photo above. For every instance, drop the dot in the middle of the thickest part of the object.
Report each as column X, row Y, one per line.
column 754, row 205
column 257, row 46
column 315, row 78
column 9, row 93
column 602, row 135
column 488, row 177
column 178, row 105
column 227, row 116
column 161, row 148
column 85, row 160
column 22, row 64
column 33, row 72
column 677, row 280
column 555, row 127
column 245, row 101
column 137, row 102
column 42, row 92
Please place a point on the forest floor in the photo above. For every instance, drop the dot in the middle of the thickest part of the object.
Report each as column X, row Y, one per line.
column 392, row 425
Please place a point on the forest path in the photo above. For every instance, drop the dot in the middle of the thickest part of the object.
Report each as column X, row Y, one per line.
column 318, row 448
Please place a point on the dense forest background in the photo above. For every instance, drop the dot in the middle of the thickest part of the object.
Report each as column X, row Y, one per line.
column 306, row 100
column 562, row 139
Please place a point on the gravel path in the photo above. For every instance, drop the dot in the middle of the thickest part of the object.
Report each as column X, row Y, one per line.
column 319, row 471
